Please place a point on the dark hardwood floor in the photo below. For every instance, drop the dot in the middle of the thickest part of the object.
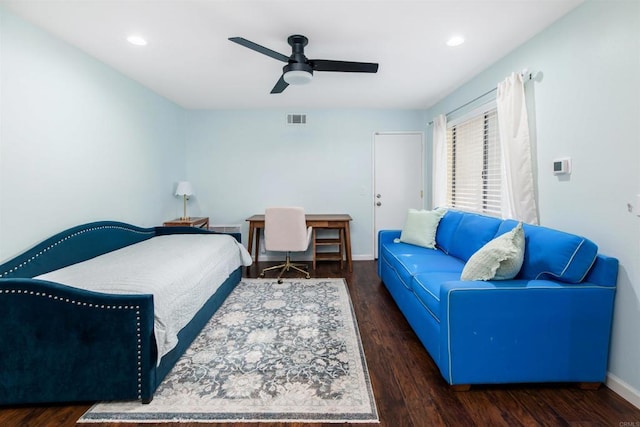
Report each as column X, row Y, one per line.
column 407, row 385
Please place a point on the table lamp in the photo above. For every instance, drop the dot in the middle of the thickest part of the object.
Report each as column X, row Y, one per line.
column 185, row 190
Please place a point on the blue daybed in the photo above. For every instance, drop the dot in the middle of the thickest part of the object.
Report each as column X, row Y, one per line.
column 61, row 343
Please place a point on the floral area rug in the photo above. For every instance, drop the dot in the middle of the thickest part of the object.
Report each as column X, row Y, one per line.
column 273, row 353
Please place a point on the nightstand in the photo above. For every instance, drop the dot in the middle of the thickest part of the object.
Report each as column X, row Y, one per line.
column 194, row 221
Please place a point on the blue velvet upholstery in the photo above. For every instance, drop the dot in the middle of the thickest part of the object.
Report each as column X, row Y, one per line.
column 60, row 343
column 63, row 344
column 551, row 323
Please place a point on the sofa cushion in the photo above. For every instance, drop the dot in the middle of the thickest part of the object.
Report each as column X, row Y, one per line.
column 426, row 287
column 447, row 226
column 408, row 260
column 500, row 259
column 473, row 232
column 420, row 227
column 552, row 254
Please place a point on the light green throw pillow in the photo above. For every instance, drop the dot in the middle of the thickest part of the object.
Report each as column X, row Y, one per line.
column 421, row 226
column 499, row 259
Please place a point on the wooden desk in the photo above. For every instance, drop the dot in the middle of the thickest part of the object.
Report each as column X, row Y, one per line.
column 195, row 221
column 335, row 221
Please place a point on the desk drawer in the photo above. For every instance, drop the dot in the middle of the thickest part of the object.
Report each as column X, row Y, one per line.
column 327, row 224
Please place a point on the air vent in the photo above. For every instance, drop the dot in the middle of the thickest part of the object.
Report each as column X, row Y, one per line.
column 296, row 119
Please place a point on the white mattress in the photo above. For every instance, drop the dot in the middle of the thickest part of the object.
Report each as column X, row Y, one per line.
column 181, row 271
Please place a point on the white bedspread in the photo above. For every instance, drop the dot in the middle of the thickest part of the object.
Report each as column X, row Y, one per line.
column 181, row 271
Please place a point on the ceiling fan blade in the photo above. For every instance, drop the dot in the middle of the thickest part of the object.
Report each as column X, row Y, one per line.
column 280, row 85
column 261, row 49
column 344, row 66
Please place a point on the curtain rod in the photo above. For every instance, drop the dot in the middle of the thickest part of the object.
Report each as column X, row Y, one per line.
column 526, row 74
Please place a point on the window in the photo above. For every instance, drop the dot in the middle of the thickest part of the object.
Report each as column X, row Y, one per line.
column 473, row 163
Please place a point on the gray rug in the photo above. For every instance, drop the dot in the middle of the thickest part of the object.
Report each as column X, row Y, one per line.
column 274, row 353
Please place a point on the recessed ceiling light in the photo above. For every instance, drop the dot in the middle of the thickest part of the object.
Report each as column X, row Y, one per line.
column 455, row 41
column 137, row 40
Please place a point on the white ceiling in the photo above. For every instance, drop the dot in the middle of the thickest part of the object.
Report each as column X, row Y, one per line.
column 189, row 60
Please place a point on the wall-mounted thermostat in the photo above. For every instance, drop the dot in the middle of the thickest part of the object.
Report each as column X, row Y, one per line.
column 562, row 166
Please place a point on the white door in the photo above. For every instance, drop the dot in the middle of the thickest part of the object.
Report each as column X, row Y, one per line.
column 398, row 172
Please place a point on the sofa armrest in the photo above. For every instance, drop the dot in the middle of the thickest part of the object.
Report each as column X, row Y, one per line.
column 604, row 271
column 524, row 331
column 385, row 237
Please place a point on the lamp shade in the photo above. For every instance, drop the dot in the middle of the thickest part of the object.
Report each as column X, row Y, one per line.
column 184, row 188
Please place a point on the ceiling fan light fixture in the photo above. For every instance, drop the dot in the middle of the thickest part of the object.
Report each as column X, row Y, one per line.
column 298, row 77
column 299, row 69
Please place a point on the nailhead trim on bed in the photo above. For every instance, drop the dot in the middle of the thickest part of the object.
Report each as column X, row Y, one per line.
column 77, row 233
column 98, row 306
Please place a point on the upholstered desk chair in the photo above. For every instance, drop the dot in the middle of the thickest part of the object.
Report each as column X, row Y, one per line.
column 285, row 230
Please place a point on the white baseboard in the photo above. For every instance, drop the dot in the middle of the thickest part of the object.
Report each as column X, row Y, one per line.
column 623, row 389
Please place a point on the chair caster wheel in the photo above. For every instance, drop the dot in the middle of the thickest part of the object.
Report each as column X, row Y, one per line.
column 308, row 276
column 279, row 281
column 261, row 275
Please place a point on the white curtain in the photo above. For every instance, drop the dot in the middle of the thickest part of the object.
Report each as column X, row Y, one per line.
column 439, row 165
column 518, row 190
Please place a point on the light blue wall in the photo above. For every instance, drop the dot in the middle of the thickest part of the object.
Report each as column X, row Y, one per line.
column 78, row 141
column 241, row 161
column 587, row 107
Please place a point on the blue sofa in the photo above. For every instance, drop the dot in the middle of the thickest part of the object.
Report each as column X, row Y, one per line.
column 551, row 323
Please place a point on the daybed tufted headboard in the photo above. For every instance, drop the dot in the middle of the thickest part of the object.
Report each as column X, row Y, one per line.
column 74, row 245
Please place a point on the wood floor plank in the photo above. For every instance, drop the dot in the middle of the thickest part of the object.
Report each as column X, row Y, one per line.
column 407, row 384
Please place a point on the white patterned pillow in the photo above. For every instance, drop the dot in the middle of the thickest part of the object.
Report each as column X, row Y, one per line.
column 499, row 259
column 421, row 226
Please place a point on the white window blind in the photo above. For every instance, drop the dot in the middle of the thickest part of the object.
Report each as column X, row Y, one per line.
column 473, row 164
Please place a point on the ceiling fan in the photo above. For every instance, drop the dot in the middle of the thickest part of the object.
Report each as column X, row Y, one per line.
column 299, row 69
